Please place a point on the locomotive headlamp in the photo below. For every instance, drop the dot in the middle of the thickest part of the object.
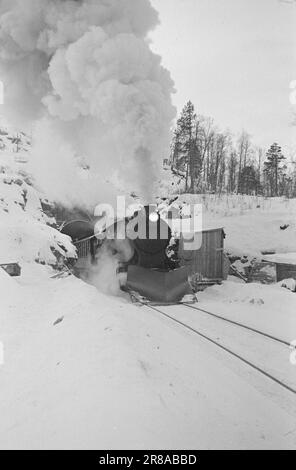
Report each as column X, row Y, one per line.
column 153, row 217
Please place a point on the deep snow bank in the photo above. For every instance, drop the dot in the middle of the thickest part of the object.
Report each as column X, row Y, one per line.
column 112, row 375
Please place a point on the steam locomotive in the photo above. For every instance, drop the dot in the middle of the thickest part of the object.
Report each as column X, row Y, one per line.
column 145, row 252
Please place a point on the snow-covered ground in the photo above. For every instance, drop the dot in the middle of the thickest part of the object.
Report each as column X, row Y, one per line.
column 86, row 370
column 82, row 370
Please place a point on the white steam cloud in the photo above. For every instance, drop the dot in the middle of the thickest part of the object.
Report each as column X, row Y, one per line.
column 84, row 68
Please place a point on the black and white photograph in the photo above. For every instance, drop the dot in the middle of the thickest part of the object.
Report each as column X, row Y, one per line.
column 147, row 228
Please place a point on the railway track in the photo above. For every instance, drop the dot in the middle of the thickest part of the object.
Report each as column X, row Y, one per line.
column 226, row 348
column 259, row 332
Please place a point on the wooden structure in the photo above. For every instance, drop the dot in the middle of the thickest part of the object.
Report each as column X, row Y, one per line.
column 263, row 272
column 269, row 272
column 86, row 248
column 207, row 262
column 13, row 269
column 285, row 271
column 82, row 234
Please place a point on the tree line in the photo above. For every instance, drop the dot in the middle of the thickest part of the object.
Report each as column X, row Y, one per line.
column 213, row 161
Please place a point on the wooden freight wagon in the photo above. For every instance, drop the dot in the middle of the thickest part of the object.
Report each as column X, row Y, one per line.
column 208, row 264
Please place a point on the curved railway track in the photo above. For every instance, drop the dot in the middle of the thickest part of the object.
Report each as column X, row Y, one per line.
column 225, row 348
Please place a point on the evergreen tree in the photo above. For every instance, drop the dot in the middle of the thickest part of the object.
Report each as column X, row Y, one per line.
column 272, row 168
column 176, row 149
column 248, row 182
column 183, row 150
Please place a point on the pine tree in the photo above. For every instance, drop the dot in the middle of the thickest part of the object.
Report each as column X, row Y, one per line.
column 176, row 149
column 184, row 131
column 272, row 168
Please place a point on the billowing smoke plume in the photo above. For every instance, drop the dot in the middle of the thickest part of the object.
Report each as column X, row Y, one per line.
column 84, row 70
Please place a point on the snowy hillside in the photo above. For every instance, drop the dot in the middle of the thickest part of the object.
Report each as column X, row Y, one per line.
column 27, row 233
column 14, row 141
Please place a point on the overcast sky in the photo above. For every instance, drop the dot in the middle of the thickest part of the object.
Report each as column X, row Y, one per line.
column 235, row 60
